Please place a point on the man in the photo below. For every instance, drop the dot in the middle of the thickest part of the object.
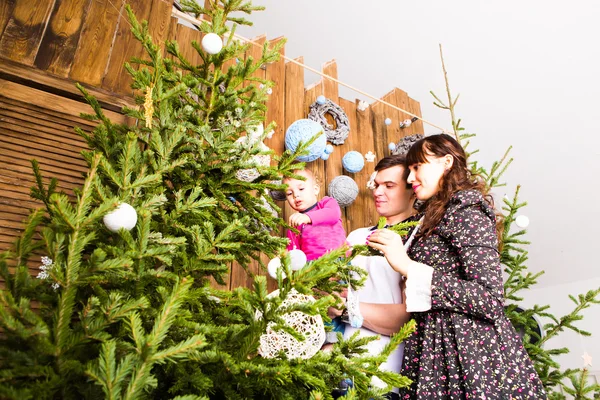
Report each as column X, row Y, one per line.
column 381, row 304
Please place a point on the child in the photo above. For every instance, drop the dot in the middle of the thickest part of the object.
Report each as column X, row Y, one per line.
column 319, row 223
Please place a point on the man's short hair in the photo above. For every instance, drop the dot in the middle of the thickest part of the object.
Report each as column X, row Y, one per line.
column 392, row 161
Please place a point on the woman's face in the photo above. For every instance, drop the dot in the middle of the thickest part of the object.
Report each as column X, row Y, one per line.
column 425, row 177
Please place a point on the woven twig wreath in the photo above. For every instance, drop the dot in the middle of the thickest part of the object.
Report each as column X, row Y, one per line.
column 317, row 113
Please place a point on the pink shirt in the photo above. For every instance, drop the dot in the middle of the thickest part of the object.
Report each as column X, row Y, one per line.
column 325, row 233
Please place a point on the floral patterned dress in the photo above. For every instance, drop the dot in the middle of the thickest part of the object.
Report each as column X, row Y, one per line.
column 464, row 346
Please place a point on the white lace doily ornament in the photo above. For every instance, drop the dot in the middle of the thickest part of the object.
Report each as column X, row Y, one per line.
column 212, row 43
column 124, row 216
column 310, row 326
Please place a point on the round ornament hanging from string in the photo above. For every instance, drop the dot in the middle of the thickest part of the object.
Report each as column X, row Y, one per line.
column 317, row 113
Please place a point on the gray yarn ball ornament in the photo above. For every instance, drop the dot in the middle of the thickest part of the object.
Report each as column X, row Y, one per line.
column 317, row 113
column 406, row 143
column 343, row 189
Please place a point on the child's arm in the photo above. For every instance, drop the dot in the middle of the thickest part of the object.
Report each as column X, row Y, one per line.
column 328, row 215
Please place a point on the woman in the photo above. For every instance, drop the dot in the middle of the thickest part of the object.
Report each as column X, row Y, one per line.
column 464, row 346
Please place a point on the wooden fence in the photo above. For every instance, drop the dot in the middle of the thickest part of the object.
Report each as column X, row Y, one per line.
column 48, row 45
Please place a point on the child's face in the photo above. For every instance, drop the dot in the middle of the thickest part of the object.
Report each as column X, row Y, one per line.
column 301, row 194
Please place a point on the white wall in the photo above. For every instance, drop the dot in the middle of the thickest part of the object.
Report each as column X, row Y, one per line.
column 527, row 72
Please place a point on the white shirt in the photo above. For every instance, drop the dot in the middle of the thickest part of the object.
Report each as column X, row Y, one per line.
column 382, row 286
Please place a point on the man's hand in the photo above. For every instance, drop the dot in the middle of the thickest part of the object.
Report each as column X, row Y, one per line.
column 390, row 244
column 298, row 219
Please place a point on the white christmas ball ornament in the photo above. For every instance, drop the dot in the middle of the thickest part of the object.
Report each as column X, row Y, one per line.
column 388, row 121
column 212, row 43
column 273, row 266
column 522, row 221
column 297, row 259
column 123, row 217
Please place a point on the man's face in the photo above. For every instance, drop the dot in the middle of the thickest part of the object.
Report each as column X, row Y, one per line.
column 393, row 199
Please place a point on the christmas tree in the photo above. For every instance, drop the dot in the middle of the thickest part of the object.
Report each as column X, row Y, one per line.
column 123, row 306
column 513, row 256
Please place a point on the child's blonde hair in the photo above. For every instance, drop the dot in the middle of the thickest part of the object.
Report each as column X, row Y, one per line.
column 307, row 173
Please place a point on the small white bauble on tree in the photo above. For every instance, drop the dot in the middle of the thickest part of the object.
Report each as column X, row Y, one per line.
column 273, row 266
column 297, row 259
column 212, row 43
column 123, row 217
column 522, row 221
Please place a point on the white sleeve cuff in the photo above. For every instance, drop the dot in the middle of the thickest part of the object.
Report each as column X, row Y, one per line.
column 418, row 287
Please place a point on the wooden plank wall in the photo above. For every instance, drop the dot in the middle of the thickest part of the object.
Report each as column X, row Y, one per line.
column 48, row 45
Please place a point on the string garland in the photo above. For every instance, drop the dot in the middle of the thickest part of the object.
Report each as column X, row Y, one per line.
column 195, row 21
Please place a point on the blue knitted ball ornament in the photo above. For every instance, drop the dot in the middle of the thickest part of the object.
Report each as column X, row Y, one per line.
column 329, row 149
column 321, row 100
column 343, row 189
column 301, row 131
column 388, row 121
column 353, row 162
column 324, row 156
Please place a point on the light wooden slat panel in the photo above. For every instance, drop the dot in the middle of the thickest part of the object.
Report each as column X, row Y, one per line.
column 354, row 214
column 6, row 9
column 45, row 82
column 276, row 72
column 40, row 136
column 417, row 126
column 239, row 276
column 392, row 131
column 160, row 21
column 364, row 203
column 58, row 121
column 46, row 135
column 125, row 46
column 401, row 100
column 22, row 182
column 58, row 46
column 97, row 36
column 19, row 162
column 318, row 166
column 184, row 36
column 13, row 213
column 378, row 129
column 52, row 103
column 24, row 30
column 294, row 108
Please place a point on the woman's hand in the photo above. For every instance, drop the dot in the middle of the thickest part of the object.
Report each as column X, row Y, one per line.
column 390, row 244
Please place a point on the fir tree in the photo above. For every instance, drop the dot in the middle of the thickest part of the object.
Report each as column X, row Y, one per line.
column 513, row 256
column 132, row 314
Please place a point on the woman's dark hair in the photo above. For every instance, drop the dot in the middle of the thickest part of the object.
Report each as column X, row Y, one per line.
column 455, row 179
